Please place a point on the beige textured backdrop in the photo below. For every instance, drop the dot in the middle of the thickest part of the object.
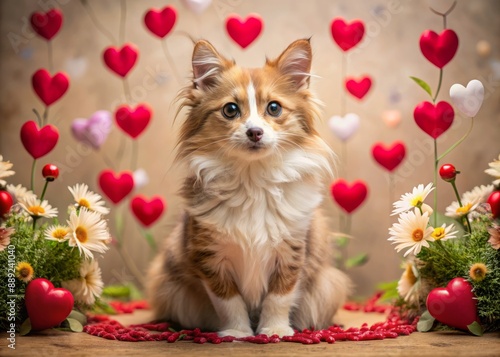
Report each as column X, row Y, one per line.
column 389, row 53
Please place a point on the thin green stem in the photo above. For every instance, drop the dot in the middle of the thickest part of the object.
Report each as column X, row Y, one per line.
column 436, row 164
column 344, row 158
column 44, row 190
column 439, row 85
column 33, row 176
column 120, row 152
column 123, row 16
column 34, row 222
column 447, row 255
column 469, row 227
column 49, row 52
column 38, row 117
column 45, row 115
column 343, row 94
column 126, row 90
column 135, row 155
column 450, row 149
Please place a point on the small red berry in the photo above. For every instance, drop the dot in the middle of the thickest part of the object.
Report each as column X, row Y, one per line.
column 50, row 172
column 448, row 172
column 6, row 203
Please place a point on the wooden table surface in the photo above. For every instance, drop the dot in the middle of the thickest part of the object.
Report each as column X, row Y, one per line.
column 55, row 343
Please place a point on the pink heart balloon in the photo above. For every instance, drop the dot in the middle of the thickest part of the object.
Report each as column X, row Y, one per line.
column 93, row 131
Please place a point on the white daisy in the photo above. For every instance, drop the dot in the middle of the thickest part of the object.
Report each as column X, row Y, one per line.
column 57, row 233
column 88, row 232
column 36, row 208
column 88, row 199
column 5, row 170
column 444, row 232
column 470, row 200
column 89, row 285
column 411, row 232
column 494, row 170
column 19, row 192
column 411, row 200
column 407, row 284
column 456, row 211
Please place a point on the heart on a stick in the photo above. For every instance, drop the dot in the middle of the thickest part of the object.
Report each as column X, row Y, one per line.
column 455, row 305
column 147, row 211
column 116, row 186
column 133, row 121
column 347, row 34
column 439, row 49
column 468, row 99
column 389, row 157
column 434, row 119
column 344, row 127
column 49, row 88
column 349, row 196
column 160, row 22
column 358, row 87
column 38, row 142
column 120, row 60
column 244, row 31
column 47, row 306
column 93, row 131
column 47, row 24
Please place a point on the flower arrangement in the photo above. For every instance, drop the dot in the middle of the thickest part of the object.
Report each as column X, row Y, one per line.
column 40, row 253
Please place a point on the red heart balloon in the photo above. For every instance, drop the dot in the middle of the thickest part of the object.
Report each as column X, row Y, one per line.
column 358, row 88
column 133, row 121
column 494, row 202
column 455, row 305
column 6, row 203
column 120, row 60
column 390, row 157
column 47, row 306
column 49, row 89
column 47, row 24
column 116, row 188
column 160, row 22
column 434, row 119
column 349, row 197
column 37, row 142
column 244, row 31
column 347, row 35
column 147, row 212
column 439, row 49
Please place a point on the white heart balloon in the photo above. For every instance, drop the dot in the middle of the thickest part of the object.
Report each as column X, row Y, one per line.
column 344, row 127
column 468, row 99
column 197, row 6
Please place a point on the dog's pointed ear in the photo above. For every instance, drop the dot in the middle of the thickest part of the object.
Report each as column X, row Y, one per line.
column 207, row 64
column 295, row 62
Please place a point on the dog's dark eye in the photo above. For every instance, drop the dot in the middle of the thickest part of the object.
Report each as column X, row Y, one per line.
column 274, row 109
column 230, row 111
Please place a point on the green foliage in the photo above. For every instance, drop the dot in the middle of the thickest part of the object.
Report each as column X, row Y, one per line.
column 444, row 261
column 52, row 260
column 423, row 84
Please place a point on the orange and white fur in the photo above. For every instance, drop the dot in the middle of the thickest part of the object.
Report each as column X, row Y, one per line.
column 251, row 254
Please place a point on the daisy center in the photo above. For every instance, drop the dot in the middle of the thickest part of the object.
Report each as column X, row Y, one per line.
column 416, row 201
column 84, row 203
column 81, row 234
column 59, row 233
column 412, row 279
column 417, row 235
column 24, row 272
column 438, row 233
column 465, row 209
column 36, row 210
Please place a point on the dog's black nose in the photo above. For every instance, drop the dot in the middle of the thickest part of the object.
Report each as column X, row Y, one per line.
column 255, row 134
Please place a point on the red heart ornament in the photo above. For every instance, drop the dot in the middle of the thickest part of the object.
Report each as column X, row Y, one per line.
column 49, row 89
column 347, row 35
column 47, row 306
column 494, row 202
column 390, row 157
column 358, row 87
column 116, row 187
column 147, row 212
column 47, row 24
column 133, row 121
column 349, row 197
column 439, row 49
column 434, row 119
column 244, row 31
column 120, row 60
column 455, row 305
column 160, row 22
column 37, row 142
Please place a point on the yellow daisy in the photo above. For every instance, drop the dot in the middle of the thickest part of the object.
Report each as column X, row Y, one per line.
column 412, row 199
column 88, row 199
column 24, row 271
column 478, row 272
column 57, row 233
column 36, row 208
column 444, row 232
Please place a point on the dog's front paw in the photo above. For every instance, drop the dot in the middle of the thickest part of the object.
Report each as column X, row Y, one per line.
column 280, row 330
column 241, row 332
